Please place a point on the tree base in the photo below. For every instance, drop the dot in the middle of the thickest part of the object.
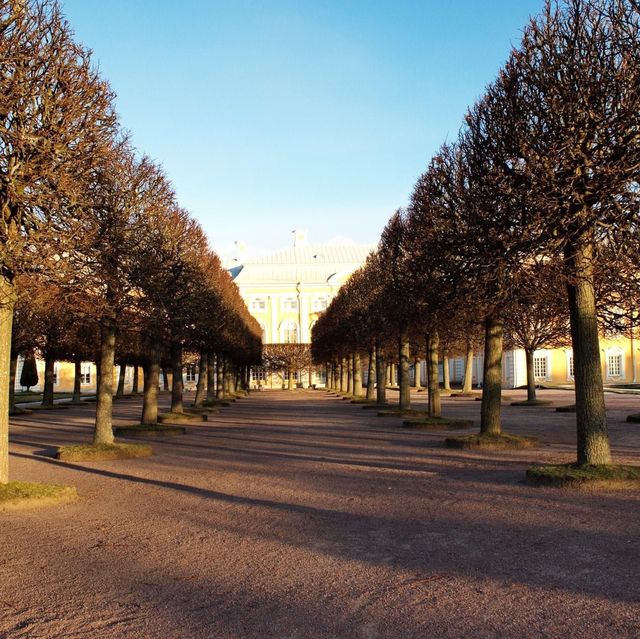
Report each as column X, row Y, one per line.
column 99, row 452
column 207, row 410
column 375, row 406
column 437, row 424
column 635, row 419
column 148, row 430
column 182, row 418
column 532, row 402
column 576, row 476
column 16, row 410
column 503, row 441
column 571, row 408
column 396, row 412
column 19, row 495
column 217, row 402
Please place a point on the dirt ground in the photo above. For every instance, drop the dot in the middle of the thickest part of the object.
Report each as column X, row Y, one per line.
column 298, row 515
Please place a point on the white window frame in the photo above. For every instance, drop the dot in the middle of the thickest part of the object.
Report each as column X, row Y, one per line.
column 56, row 371
column 618, row 369
column 542, row 355
column 258, row 304
column 258, row 374
column 289, row 304
column 85, row 373
column 285, row 332
column 190, row 373
column 570, row 366
column 320, row 304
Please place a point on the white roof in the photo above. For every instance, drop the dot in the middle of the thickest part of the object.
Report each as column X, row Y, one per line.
column 314, row 263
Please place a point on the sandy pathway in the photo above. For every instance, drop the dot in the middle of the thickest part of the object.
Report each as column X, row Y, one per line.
column 301, row 516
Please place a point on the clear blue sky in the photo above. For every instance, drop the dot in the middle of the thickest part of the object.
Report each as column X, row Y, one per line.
column 275, row 115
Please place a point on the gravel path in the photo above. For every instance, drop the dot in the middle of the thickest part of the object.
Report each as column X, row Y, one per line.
column 297, row 515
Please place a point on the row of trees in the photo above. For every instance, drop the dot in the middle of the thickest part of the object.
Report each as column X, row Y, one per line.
column 98, row 259
column 527, row 224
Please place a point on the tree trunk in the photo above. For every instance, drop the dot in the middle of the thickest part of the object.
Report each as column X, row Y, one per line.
column 103, row 433
column 467, row 385
column 357, row 375
column 593, row 436
column 492, row 378
column 77, row 380
column 121, row 377
column 350, row 375
column 136, row 380
column 165, row 379
column 381, row 371
column 433, row 347
column 389, row 381
column 177, row 385
column 49, row 372
column 417, row 381
column 531, row 377
column 371, row 376
column 211, row 378
column 403, row 372
column 7, row 302
column 13, row 369
column 289, row 379
column 220, row 377
column 151, row 386
column 344, row 376
column 201, row 390
column 446, row 379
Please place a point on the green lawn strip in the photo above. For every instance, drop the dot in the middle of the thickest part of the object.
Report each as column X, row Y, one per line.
column 396, row 412
column 64, row 406
column 576, row 476
column 182, row 418
column 532, row 402
column 98, row 452
column 437, row 423
column 17, row 495
column 635, row 419
column 571, row 408
column 503, row 441
column 148, row 430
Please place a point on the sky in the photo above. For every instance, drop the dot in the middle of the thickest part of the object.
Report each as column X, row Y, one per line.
column 280, row 115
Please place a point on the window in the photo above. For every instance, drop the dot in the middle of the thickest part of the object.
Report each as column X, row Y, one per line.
column 55, row 374
column 320, row 303
column 190, row 375
column 540, row 367
column 258, row 374
column 290, row 304
column 289, row 331
column 614, row 363
column 570, row 369
column 258, row 304
column 85, row 373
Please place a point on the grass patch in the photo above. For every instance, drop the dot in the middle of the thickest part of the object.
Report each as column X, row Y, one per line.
column 576, row 476
column 503, row 441
column 16, row 410
column 437, row 423
column 64, row 406
column 148, row 430
column 635, row 418
column 532, row 402
column 571, row 408
column 396, row 412
column 98, row 452
column 182, row 418
column 17, row 495
column 217, row 402
column 208, row 410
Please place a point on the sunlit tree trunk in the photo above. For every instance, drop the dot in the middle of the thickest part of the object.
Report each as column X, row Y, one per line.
column 417, row 382
column 7, row 302
column 220, row 389
column 13, row 369
column 121, row 377
column 357, row 375
column 371, row 375
column 403, row 371
column 381, row 371
column 467, row 384
column 433, row 346
column 446, row 378
column 531, row 377
column 211, row 378
column 344, row 375
column 593, row 436
column 201, row 386
column 103, row 433
column 151, row 386
column 350, row 375
column 492, row 378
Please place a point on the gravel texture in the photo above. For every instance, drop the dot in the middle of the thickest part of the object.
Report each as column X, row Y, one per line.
column 297, row 515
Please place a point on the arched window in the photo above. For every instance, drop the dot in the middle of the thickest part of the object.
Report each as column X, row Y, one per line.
column 615, row 362
column 289, row 332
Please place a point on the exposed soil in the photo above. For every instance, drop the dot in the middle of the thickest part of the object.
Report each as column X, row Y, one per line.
column 298, row 515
